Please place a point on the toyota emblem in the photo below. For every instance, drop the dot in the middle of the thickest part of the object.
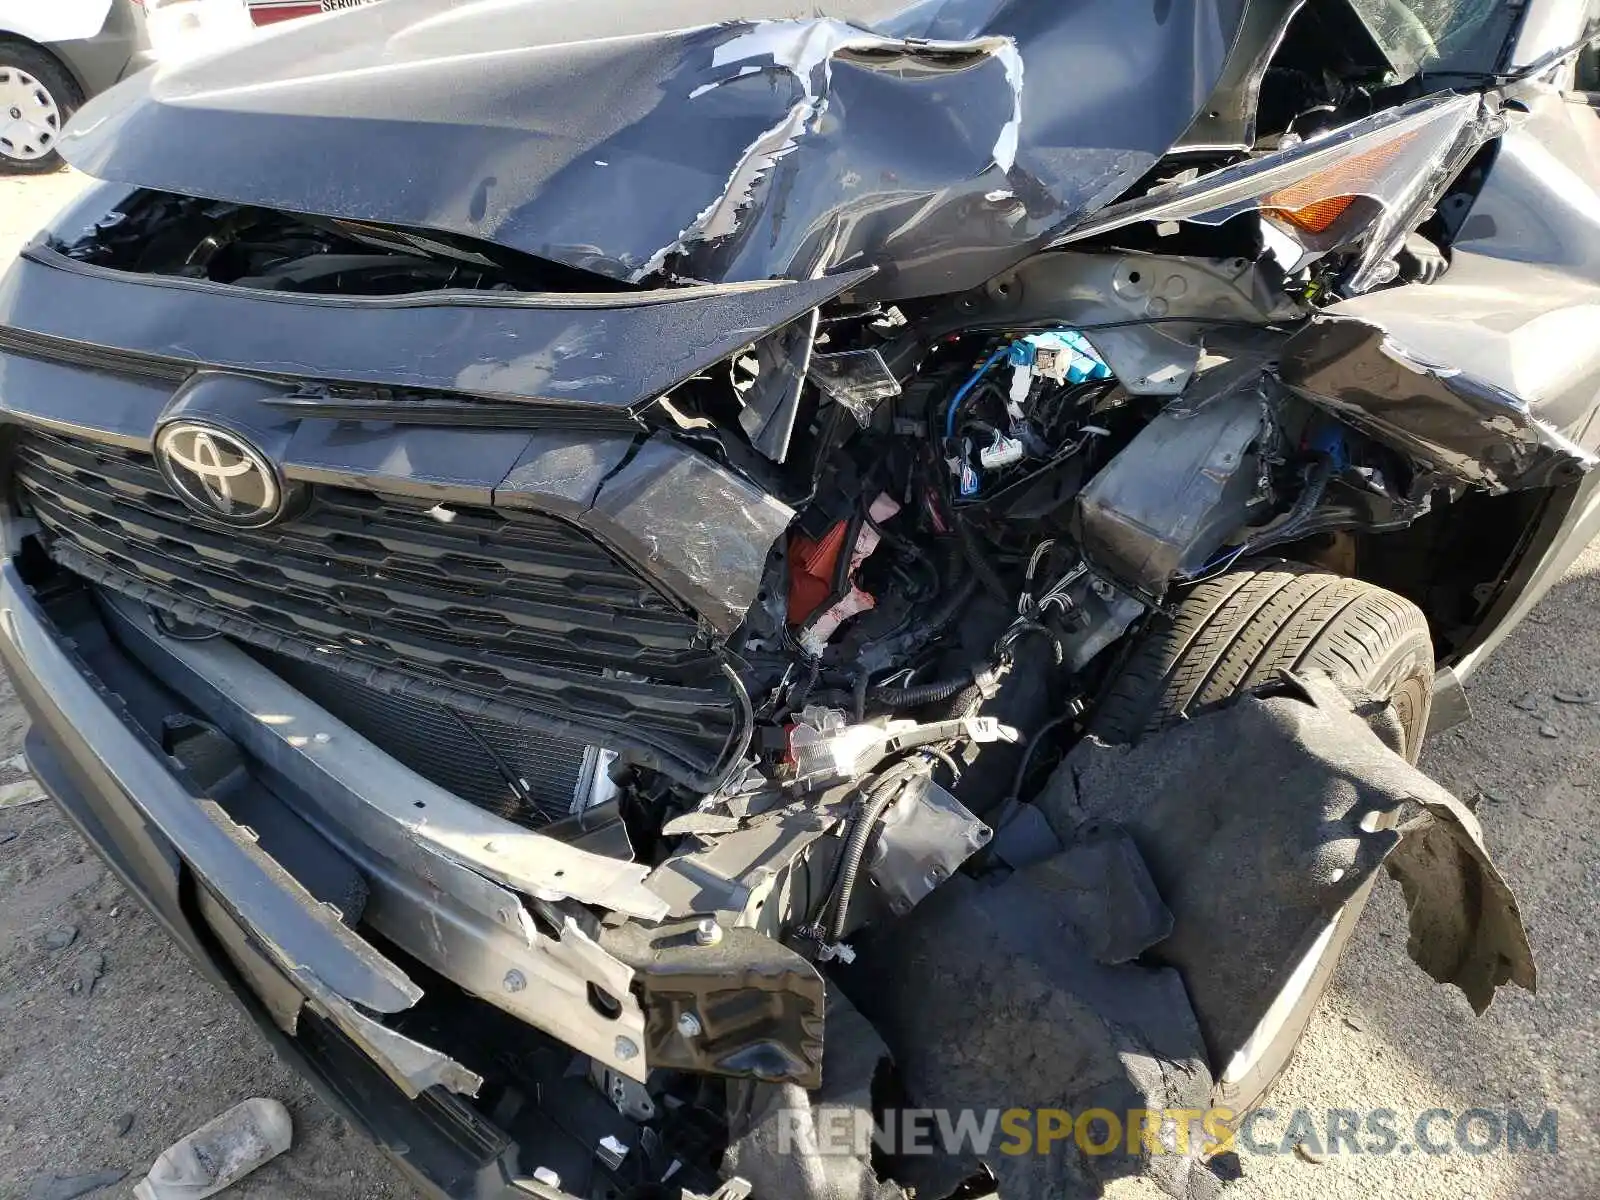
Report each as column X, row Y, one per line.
column 219, row 475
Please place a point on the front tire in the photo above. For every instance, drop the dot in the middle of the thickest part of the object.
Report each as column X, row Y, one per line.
column 37, row 95
column 1237, row 632
column 1242, row 629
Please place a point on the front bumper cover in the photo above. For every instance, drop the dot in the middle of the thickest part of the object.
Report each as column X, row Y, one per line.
column 305, row 978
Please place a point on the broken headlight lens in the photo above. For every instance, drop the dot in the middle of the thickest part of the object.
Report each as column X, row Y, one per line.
column 1366, row 184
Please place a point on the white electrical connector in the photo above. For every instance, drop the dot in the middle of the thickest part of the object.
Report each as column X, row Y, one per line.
column 1002, row 452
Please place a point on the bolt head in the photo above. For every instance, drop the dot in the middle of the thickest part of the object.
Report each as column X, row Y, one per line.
column 625, row 1048
column 689, row 1025
column 707, row 932
column 515, row 981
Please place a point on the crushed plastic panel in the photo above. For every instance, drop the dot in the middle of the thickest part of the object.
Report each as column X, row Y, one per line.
column 556, row 348
column 925, row 837
column 696, row 526
column 1180, row 488
column 860, row 380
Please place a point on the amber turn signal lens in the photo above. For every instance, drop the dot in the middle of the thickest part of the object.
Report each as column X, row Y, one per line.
column 1316, row 217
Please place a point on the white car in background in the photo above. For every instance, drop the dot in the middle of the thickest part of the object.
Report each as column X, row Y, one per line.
column 53, row 56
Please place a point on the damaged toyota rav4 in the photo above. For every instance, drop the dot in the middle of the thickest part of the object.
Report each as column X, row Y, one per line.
column 635, row 578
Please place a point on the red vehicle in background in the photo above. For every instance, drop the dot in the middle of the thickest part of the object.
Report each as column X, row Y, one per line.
column 268, row 12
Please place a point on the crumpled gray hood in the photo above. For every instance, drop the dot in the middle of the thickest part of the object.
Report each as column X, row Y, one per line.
column 939, row 141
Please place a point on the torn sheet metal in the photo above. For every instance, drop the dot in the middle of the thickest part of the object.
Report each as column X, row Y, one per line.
column 939, row 142
column 1464, row 425
column 1253, row 886
column 1085, row 290
column 1228, row 121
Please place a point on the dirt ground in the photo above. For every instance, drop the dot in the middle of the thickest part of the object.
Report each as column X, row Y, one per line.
column 102, row 1023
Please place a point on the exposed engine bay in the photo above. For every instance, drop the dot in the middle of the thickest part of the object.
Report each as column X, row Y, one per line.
column 982, row 516
column 741, row 680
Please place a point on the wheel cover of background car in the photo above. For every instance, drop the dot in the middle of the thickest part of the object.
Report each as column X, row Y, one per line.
column 30, row 118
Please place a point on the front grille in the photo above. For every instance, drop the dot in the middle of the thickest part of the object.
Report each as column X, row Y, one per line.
column 515, row 616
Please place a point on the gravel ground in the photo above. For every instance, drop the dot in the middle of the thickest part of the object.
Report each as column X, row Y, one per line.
column 115, row 1025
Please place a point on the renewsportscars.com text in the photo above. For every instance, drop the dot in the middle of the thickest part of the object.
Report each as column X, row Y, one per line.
column 1099, row 1131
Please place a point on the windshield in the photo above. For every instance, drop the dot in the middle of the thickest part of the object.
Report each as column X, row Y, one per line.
column 1438, row 35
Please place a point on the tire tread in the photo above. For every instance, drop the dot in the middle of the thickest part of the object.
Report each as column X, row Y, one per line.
column 1241, row 629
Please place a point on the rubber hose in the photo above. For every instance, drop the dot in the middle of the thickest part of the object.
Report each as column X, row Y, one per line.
column 877, row 802
column 980, row 564
column 952, row 607
column 926, row 693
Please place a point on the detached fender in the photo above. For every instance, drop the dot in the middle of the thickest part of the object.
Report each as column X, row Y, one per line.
column 1259, row 819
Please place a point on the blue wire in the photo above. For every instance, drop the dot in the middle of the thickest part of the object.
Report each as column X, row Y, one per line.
column 1224, row 560
column 966, row 388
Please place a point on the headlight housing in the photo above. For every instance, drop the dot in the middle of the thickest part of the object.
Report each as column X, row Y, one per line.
column 1364, row 185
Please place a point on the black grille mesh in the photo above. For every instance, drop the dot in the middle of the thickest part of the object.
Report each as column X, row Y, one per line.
column 513, row 616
